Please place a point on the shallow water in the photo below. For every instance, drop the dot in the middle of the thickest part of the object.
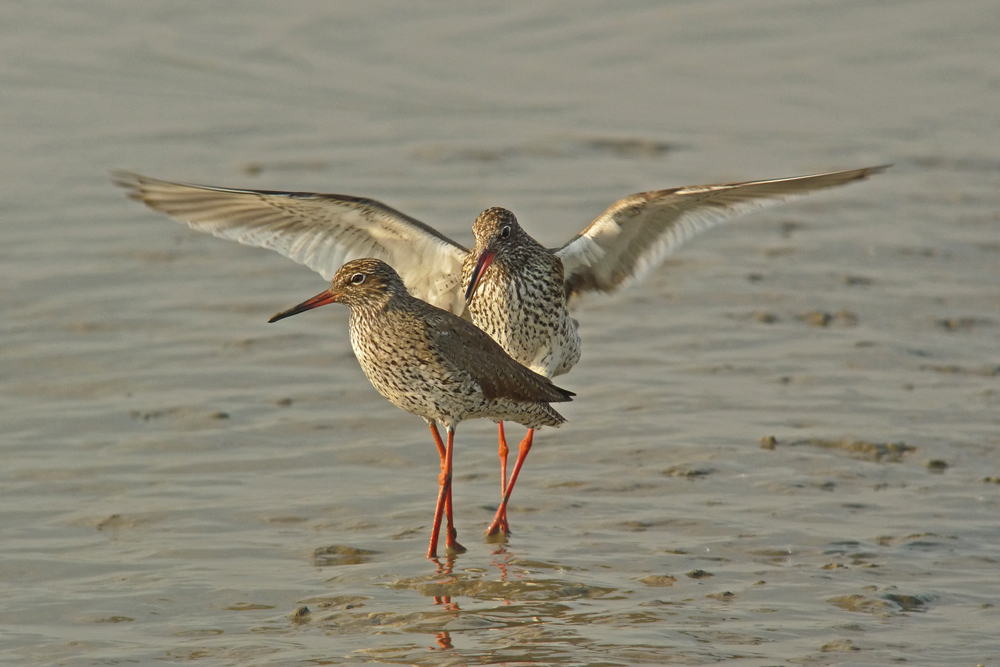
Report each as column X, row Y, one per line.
column 786, row 444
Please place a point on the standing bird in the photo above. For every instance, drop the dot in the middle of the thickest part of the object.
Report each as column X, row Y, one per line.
column 517, row 293
column 524, row 288
column 434, row 364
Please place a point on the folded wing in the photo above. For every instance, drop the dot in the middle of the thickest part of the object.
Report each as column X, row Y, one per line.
column 467, row 347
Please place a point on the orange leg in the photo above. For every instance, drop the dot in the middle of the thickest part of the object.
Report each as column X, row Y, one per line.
column 503, row 475
column 448, row 507
column 501, row 516
column 442, row 491
column 444, row 454
column 450, row 542
column 438, row 512
column 444, row 502
column 437, row 439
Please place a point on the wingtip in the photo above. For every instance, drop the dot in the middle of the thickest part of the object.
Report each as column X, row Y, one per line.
column 878, row 169
column 864, row 173
column 128, row 180
column 122, row 175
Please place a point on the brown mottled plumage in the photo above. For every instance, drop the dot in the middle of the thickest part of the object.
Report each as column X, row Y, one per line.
column 524, row 289
column 432, row 363
column 515, row 292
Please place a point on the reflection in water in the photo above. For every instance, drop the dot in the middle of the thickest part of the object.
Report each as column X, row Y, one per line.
column 510, row 609
column 520, row 606
column 445, row 569
column 443, row 637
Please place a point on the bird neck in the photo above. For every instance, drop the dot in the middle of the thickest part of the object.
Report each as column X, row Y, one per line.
column 391, row 298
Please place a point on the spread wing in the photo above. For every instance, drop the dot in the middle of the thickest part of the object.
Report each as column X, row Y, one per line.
column 636, row 233
column 322, row 231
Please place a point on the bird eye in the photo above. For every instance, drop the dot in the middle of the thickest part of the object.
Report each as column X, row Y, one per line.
column 357, row 278
column 505, row 233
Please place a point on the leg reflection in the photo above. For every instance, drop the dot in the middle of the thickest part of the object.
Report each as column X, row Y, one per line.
column 445, row 567
column 502, row 560
column 443, row 640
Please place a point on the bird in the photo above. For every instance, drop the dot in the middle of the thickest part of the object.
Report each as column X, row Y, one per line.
column 525, row 290
column 434, row 364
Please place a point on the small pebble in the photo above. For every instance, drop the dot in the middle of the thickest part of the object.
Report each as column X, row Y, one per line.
column 937, row 465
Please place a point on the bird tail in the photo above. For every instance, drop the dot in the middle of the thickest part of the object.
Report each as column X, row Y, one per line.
column 565, row 395
column 554, row 418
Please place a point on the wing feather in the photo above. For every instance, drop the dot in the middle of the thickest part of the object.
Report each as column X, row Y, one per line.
column 321, row 231
column 634, row 235
column 470, row 349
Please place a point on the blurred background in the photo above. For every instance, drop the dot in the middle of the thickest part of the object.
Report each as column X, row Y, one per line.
column 784, row 447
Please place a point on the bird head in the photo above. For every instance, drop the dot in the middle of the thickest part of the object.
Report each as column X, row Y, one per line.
column 359, row 282
column 497, row 234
